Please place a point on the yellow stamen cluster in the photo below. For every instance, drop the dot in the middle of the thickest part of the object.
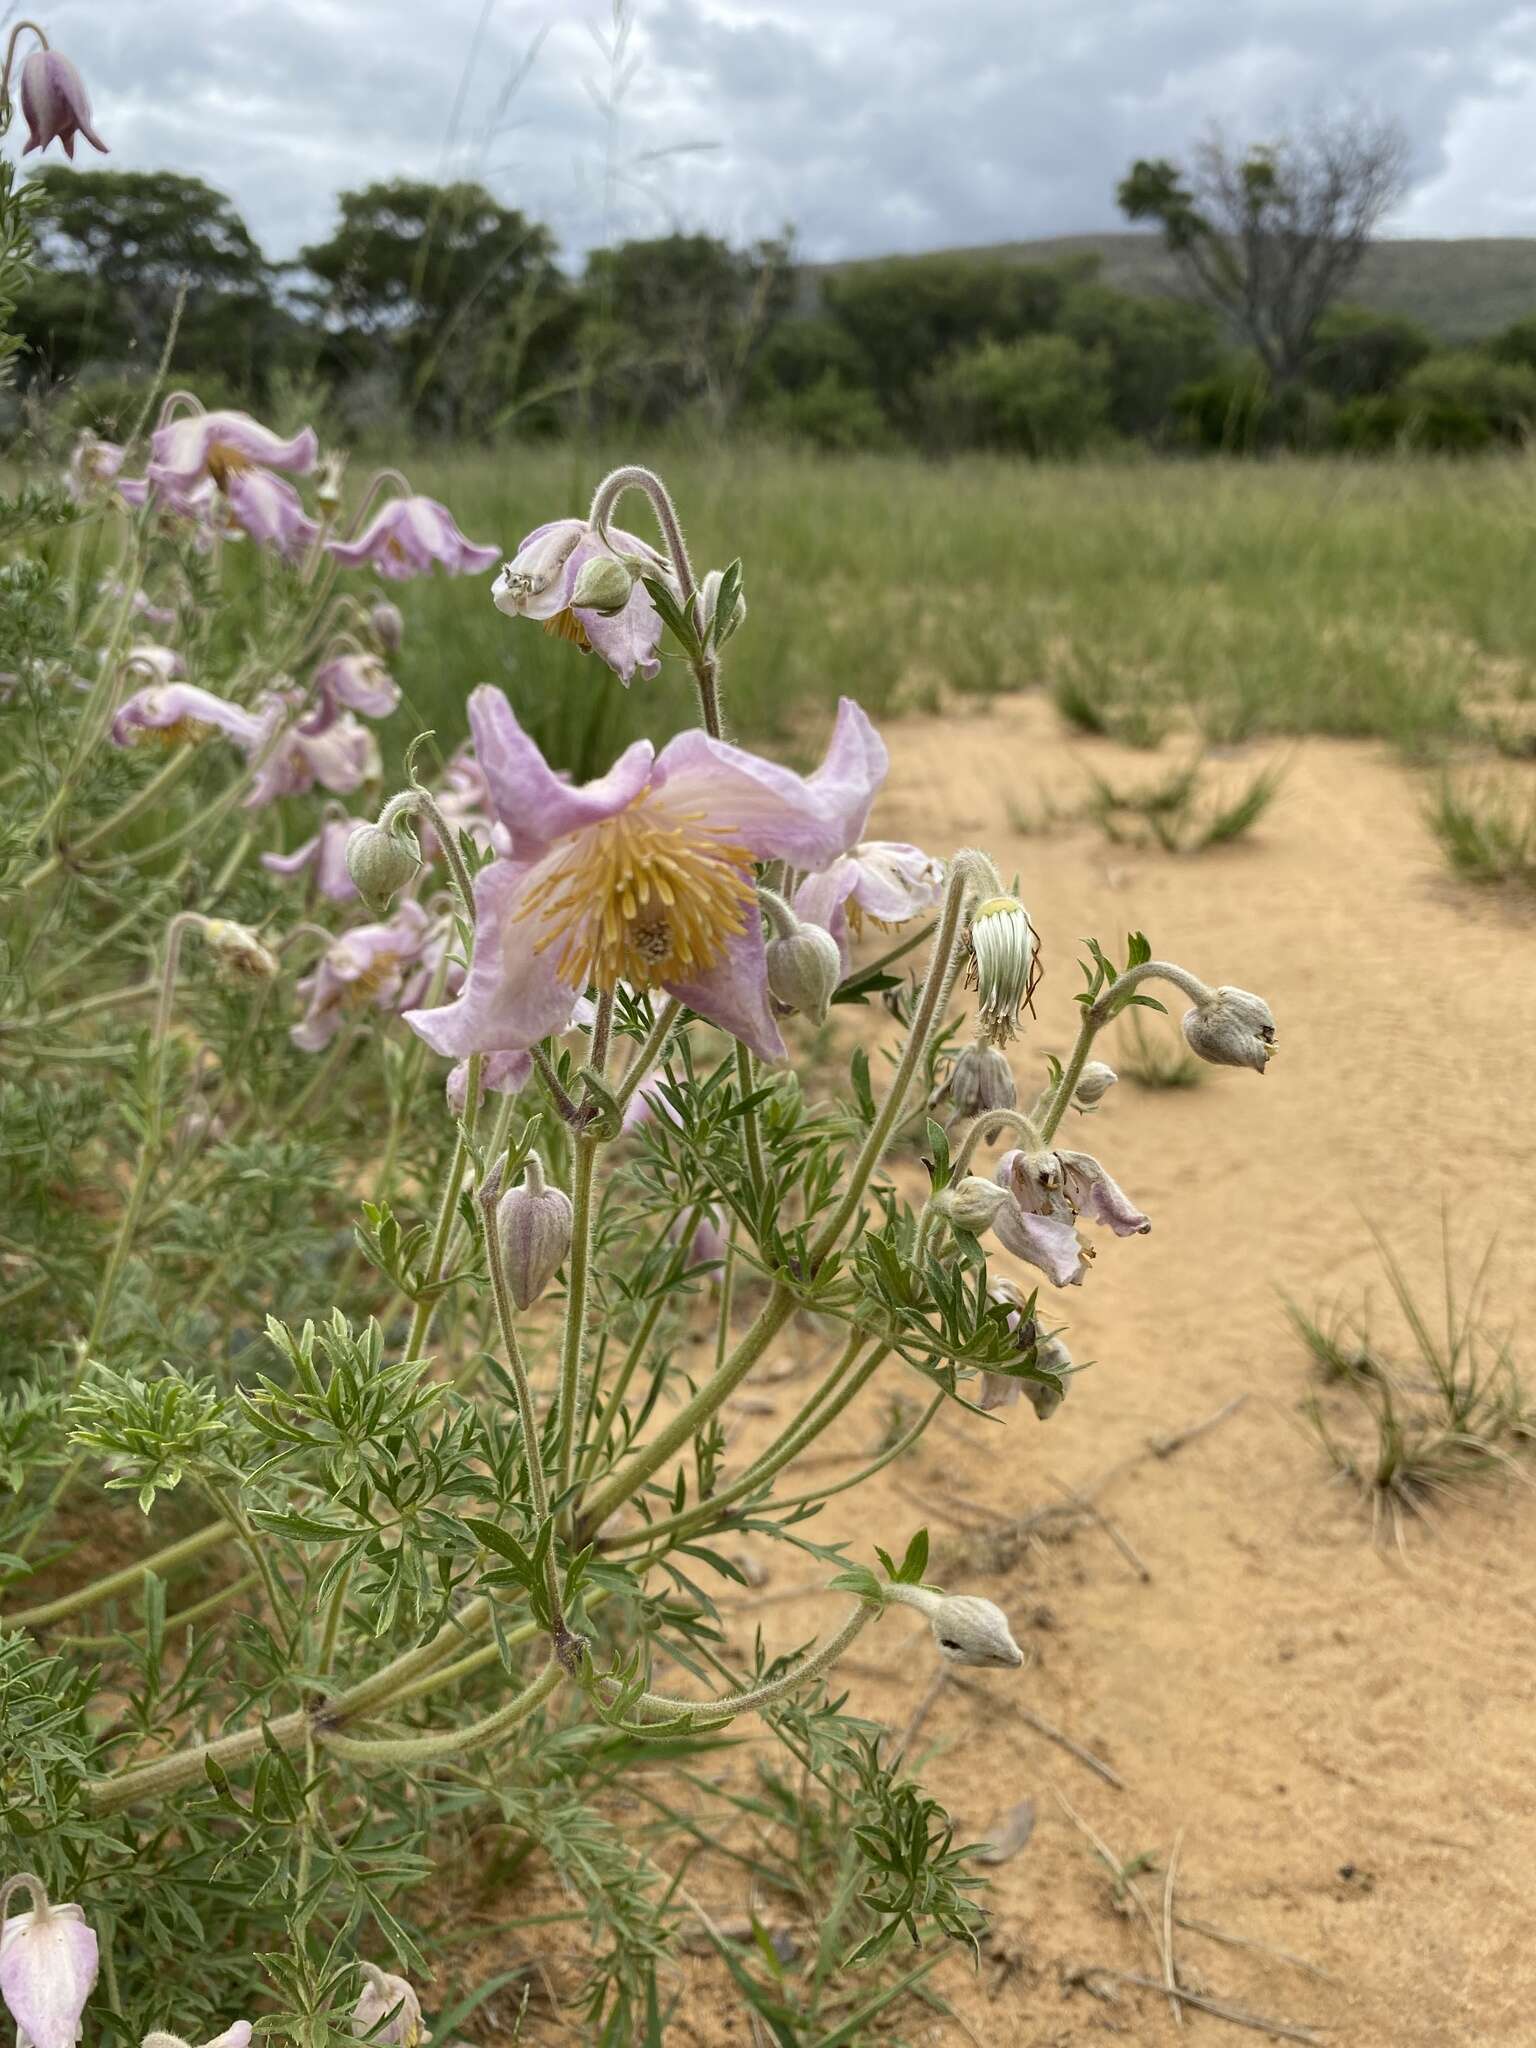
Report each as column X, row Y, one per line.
column 225, row 462
column 566, row 626
column 181, row 732
column 648, row 897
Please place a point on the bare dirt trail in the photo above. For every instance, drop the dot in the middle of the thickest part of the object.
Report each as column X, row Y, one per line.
column 1342, row 1737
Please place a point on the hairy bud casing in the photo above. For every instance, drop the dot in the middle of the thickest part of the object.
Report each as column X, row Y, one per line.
column 380, row 864
column 804, row 970
column 1232, row 1029
column 981, row 1080
column 533, row 1225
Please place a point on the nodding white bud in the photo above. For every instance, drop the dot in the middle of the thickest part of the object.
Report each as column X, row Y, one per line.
column 328, row 484
column 804, row 970
column 1232, row 1029
column 981, row 1079
column 239, row 952
column 388, row 623
column 972, row 1203
column 533, row 1224
column 1002, row 943
column 48, row 1964
column 385, row 1993
column 709, row 604
column 602, row 584
column 967, row 1630
column 380, row 863
column 1093, row 1084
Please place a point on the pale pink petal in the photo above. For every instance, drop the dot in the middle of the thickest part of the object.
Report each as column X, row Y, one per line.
column 733, row 994
column 534, row 805
column 512, row 996
column 1047, row 1242
column 48, row 1965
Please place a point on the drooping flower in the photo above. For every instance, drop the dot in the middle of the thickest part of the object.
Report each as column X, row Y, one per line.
column 967, row 1629
column 55, row 104
column 540, row 583
column 93, row 465
column 324, row 857
column 644, row 876
column 981, row 1079
column 366, row 967
column 148, row 657
column 1003, row 964
column 48, row 1964
column 883, row 880
column 388, row 624
column 501, row 1073
column 217, row 447
column 180, row 714
column 355, row 682
column 1050, row 1191
column 270, row 510
column 1092, row 1192
column 140, row 603
column 407, row 537
column 388, row 1999
column 341, row 758
column 533, row 1226
column 1002, row 1390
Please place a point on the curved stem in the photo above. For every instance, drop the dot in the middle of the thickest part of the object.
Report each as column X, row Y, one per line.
column 1098, row 1013
column 159, row 1562
column 993, row 1120
column 414, row 1749
column 711, row 1713
column 635, row 478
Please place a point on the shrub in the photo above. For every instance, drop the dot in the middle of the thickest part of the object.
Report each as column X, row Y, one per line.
column 1361, row 353
column 1450, row 391
column 832, row 415
column 1152, row 349
column 1041, row 397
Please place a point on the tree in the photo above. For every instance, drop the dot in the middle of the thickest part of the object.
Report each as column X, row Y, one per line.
column 1272, row 236
column 456, row 296
column 1153, row 347
column 115, row 251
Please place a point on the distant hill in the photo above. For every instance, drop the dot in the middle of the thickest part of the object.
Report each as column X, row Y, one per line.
column 1461, row 290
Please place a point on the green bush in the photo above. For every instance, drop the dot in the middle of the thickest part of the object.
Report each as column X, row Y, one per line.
column 1152, row 347
column 1042, row 396
column 831, row 414
column 1515, row 343
column 1451, row 390
column 1361, row 353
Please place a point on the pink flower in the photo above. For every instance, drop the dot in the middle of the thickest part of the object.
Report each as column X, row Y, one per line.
column 407, row 537
column 93, row 464
column 360, row 682
column 53, row 99
column 364, row 967
column 217, row 447
column 540, row 582
column 48, row 1966
column 1050, row 1190
column 644, row 876
column 324, row 856
column 884, row 880
column 270, row 511
column 180, row 714
column 341, row 758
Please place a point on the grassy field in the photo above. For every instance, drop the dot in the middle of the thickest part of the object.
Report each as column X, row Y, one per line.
column 1393, row 599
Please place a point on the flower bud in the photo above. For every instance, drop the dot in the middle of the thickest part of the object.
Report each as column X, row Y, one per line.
column 1232, row 1029
column 48, row 1964
column 237, row 949
column 1093, row 1084
column 384, row 1994
column 533, row 1225
column 328, row 484
column 603, row 584
column 804, row 971
column 981, row 1079
column 54, row 102
column 236, row 2036
column 380, row 863
column 388, row 623
column 709, row 604
column 1002, row 970
column 971, row 1204
column 967, row 1630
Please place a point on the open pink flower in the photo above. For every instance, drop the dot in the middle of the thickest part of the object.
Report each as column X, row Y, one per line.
column 54, row 101
column 364, row 968
column 180, row 714
column 217, row 447
column 355, row 682
column 884, row 880
column 408, row 536
column 538, row 583
column 324, row 857
column 644, row 876
column 340, row 758
column 48, row 1965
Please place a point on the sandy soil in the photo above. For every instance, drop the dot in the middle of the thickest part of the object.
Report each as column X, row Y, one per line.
column 1337, row 1735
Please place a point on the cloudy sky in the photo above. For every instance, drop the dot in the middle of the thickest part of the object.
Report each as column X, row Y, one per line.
column 869, row 125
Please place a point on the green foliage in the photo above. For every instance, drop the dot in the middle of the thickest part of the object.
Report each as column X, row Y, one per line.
column 1151, row 348
column 1041, row 397
column 1465, row 396
column 1487, row 834
column 1358, row 352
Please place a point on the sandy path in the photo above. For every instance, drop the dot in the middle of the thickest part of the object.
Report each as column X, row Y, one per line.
column 1343, row 1738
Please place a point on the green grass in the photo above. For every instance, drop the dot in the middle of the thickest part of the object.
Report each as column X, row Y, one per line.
column 1487, row 835
column 1293, row 597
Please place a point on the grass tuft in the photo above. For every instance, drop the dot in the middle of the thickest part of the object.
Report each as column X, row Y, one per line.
column 1485, row 835
column 1156, row 1058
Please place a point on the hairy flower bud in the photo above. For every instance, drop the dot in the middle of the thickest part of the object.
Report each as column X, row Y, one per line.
column 54, row 102
column 709, row 604
column 533, row 1224
column 804, row 971
column 1002, row 943
column 237, row 949
column 981, row 1079
column 967, row 1630
column 384, row 1994
column 972, row 1203
column 48, row 1965
column 236, row 2036
column 1232, row 1029
column 388, row 623
column 604, row 585
column 1093, row 1084
column 380, row 863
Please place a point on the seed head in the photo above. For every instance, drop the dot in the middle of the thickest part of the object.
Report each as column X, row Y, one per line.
column 1002, row 970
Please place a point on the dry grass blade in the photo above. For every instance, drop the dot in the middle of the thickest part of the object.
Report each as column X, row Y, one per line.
column 1218, row 2008
column 1170, row 1970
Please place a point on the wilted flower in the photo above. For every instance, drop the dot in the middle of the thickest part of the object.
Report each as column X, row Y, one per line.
column 804, row 969
column 1050, row 1190
column 341, row 758
column 881, row 879
column 217, row 447
column 388, row 624
column 1002, row 969
column 48, row 1965
column 533, row 1226
column 366, row 966
column 324, row 856
column 180, row 714
column 238, row 950
column 643, row 876
column 54, row 102
column 1002, row 1390
column 359, row 682
column 389, row 1998
column 540, row 582
column 1092, row 1192
column 407, row 537
column 93, row 464
column 148, row 657
column 1232, row 1029
column 1093, row 1084
column 981, row 1080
